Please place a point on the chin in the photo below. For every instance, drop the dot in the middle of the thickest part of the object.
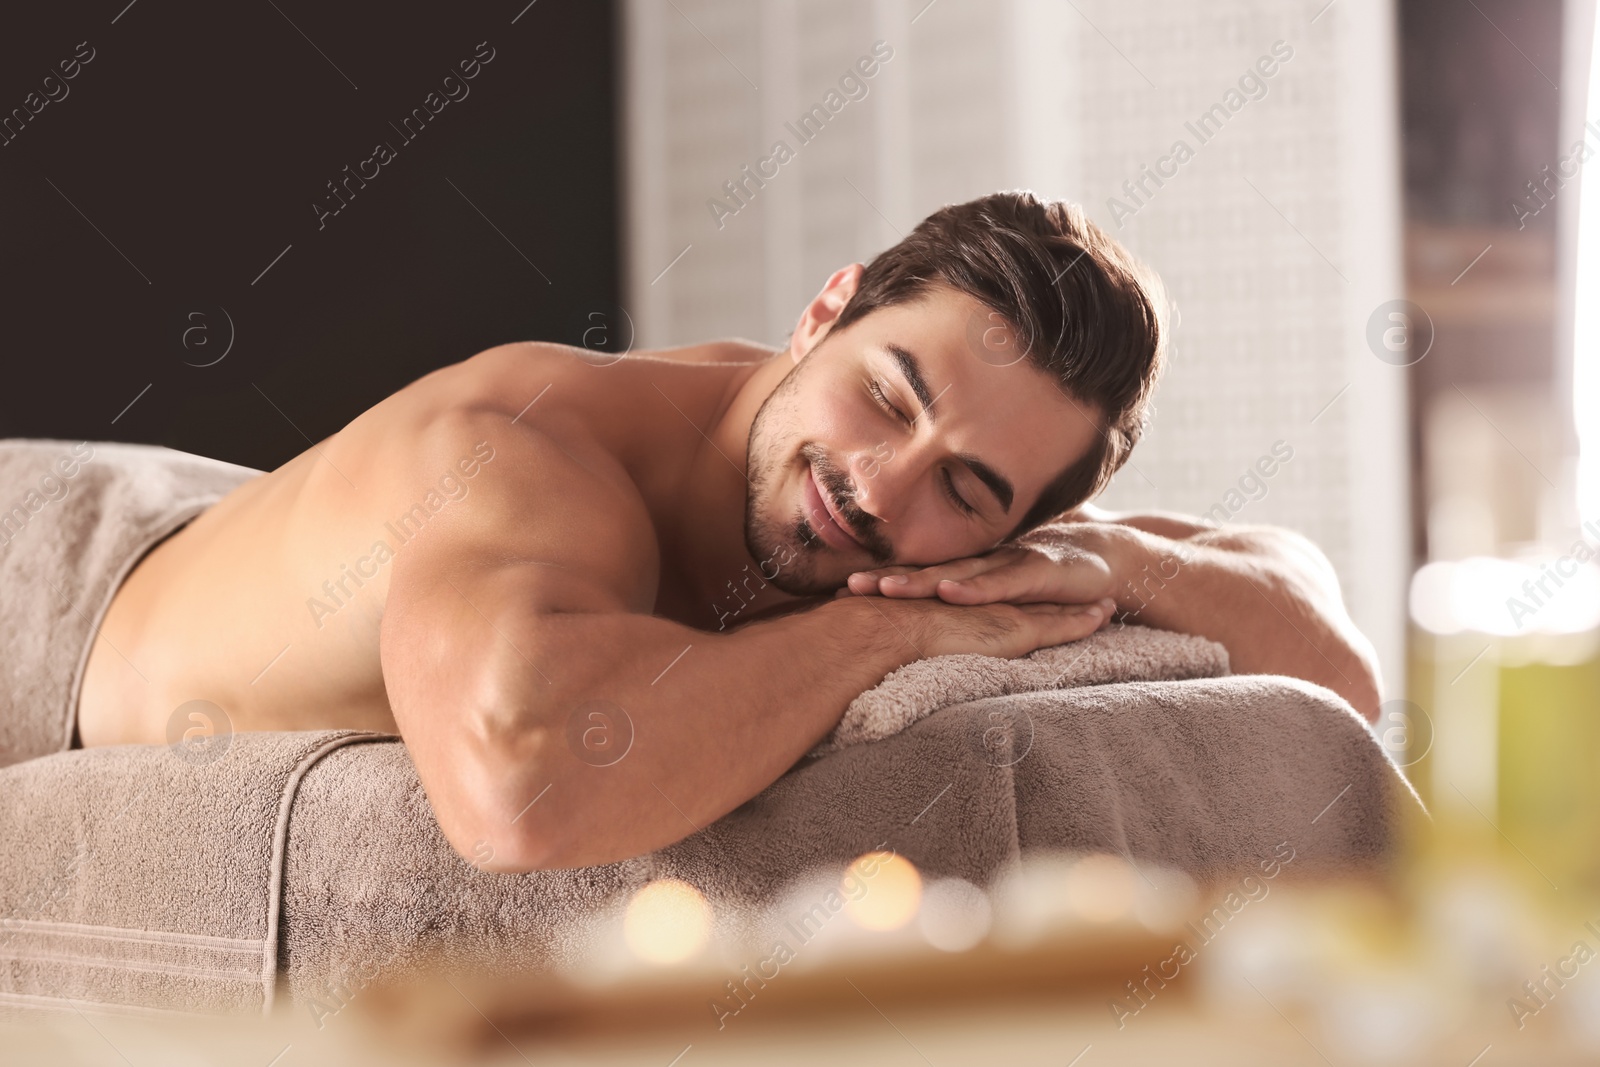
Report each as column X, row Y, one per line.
column 790, row 556
column 787, row 549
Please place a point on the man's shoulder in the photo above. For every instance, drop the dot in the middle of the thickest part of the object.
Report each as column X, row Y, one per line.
column 513, row 399
column 550, row 471
column 526, row 460
column 517, row 493
column 554, row 355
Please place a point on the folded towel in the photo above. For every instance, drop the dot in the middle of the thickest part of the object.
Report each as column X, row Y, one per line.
column 1122, row 653
column 75, row 518
column 135, row 880
column 1208, row 776
column 137, row 877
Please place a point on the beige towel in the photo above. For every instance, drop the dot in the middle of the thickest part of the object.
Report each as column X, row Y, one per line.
column 1120, row 653
column 75, row 517
column 136, row 878
column 1208, row 776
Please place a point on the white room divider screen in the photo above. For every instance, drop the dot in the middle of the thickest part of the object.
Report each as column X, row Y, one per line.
column 1275, row 225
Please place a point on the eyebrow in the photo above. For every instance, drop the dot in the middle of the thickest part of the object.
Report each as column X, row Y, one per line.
column 909, row 366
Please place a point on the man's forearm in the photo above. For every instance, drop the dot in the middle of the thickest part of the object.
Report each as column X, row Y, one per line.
column 695, row 722
column 1259, row 593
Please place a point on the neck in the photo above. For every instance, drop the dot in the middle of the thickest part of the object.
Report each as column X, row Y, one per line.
column 708, row 577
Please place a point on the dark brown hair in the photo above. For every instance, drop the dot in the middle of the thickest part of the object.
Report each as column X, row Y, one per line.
column 1083, row 309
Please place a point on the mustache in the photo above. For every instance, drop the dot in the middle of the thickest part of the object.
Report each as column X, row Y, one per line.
column 836, row 485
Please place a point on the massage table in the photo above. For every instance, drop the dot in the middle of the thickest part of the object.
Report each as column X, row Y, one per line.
column 288, row 868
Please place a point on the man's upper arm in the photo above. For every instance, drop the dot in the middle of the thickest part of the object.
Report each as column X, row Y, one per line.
column 538, row 532
column 1288, row 547
column 1162, row 523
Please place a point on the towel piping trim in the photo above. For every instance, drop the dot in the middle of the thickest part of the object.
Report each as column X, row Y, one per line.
column 40, row 1000
column 280, row 845
column 123, row 933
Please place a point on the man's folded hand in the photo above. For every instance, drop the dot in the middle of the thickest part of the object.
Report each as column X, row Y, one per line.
column 1063, row 564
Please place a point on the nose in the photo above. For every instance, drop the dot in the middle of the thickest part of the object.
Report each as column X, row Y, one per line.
column 881, row 482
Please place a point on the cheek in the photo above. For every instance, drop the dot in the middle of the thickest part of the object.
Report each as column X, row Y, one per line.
column 930, row 532
column 833, row 419
column 810, row 406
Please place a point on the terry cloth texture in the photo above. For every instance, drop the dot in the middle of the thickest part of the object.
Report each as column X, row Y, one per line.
column 138, row 879
column 1207, row 776
column 77, row 517
column 135, row 880
column 146, row 879
column 1120, row 654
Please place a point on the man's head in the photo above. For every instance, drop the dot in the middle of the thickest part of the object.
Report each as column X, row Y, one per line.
column 999, row 359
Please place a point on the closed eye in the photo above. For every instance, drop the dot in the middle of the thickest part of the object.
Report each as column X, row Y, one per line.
column 876, row 389
column 955, row 497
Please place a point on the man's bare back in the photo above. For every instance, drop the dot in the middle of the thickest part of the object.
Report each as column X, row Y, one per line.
column 269, row 604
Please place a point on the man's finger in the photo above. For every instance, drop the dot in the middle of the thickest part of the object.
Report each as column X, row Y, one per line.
column 925, row 582
column 1059, row 623
column 1017, row 581
column 866, row 583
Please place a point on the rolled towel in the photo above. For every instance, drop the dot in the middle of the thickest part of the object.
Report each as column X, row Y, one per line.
column 1122, row 653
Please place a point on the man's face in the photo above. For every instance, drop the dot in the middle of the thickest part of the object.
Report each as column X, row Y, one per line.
column 941, row 465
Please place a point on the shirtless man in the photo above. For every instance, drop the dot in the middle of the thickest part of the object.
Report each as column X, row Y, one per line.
column 479, row 558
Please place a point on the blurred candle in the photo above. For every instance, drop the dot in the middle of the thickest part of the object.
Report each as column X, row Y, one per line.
column 882, row 891
column 667, row 921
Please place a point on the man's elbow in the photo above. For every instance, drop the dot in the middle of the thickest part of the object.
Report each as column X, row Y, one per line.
column 1332, row 651
column 502, row 839
column 1312, row 587
column 1367, row 686
column 492, row 849
column 499, row 796
column 521, row 843
column 1360, row 693
column 522, row 802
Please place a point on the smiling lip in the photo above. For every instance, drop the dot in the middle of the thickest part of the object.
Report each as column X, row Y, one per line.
column 832, row 529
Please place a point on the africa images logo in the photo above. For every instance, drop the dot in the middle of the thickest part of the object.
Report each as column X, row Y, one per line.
column 455, row 89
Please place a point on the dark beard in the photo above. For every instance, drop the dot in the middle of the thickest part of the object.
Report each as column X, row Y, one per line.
column 772, row 541
column 768, row 539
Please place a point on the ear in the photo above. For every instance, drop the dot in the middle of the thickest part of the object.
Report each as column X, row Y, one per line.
column 824, row 308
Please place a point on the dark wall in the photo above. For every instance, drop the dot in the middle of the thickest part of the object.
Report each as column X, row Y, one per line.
column 139, row 209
